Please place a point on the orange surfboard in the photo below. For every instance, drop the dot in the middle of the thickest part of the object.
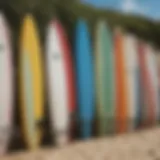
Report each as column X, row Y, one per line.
column 121, row 87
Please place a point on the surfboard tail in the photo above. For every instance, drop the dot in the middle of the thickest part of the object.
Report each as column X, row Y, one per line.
column 101, row 126
column 2, row 151
column 61, row 137
column 62, row 140
column 86, row 129
column 72, row 126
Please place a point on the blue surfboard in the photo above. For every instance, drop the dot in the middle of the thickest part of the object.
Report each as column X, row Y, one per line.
column 85, row 79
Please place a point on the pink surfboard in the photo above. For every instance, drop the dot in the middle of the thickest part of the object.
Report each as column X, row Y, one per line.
column 6, row 86
column 153, row 109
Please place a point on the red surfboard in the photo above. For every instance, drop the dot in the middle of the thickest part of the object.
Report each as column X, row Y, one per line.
column 151, row 89
column 146, row 96
column 70, row 76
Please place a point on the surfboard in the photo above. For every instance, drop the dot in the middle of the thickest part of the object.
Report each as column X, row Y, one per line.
column 157, row 53
column 31, row 83
column 85, row 78
column 156, row 83
column 131, row 71
column 104, row 67
column 143, row 83
column 70, row 77
column 61, row 84
column 6, row 85
column 139, row 86
column 153, row 110
column 121, row 87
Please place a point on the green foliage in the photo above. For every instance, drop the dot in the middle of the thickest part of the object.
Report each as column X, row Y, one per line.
column 68, row 11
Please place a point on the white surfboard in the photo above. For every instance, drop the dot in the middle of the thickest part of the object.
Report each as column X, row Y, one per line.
column 6, row 85
column 131, row 68
column 153, row 75
column 57, row 86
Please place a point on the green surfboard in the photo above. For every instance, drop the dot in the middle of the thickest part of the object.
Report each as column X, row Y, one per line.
column 104, row 60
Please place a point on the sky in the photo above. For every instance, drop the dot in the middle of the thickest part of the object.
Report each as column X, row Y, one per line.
column 148, row 8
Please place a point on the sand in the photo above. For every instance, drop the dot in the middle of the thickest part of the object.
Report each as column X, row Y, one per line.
column 141, row 145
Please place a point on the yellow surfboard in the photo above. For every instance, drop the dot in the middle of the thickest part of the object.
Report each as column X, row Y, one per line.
column 31, row 83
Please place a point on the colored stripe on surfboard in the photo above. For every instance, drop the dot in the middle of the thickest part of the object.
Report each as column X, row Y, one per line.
column 70, row 75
